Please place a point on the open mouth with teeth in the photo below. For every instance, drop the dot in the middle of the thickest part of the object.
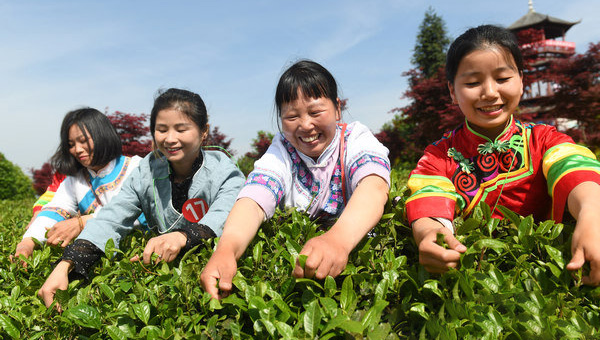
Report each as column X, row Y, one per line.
column 309, row 139
column 488, row 109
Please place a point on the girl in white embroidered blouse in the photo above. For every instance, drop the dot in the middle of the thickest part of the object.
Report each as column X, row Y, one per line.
column 90, row 155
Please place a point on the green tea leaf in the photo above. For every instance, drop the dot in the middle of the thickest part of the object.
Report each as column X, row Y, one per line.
column 440, row 239
column 9, row 327
column 285, row 330
column 485, row 209
column 510, row 215
column 85, row 315
column 106, row 290
column 373, row 315
column 330, row 286
column 302, row 260
column 497, row 245
column 62, row 297
column 312, row 318
column 347, row 296
column 142, row 311
column 555, row 255
column 116, row 333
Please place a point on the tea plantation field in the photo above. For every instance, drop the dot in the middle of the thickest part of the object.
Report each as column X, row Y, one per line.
column 511, row 284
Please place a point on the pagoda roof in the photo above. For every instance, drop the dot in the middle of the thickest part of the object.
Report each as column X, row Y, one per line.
column 553, row 27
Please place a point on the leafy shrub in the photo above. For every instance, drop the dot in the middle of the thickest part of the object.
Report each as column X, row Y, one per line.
column 512, row 284
column 14, row 184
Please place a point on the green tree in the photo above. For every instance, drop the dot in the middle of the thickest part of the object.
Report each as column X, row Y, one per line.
column 260, row 144
column 432, row 42
column 430, row 112
column 14, row 184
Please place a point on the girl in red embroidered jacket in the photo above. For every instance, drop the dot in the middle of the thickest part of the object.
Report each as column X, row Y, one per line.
column 492, row 157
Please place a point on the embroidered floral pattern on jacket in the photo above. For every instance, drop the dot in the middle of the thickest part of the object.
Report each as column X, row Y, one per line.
column 269, row 182
column 364, row 159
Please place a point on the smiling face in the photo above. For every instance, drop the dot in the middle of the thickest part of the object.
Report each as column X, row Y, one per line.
column 179, row 139
column 487, row 88
column 309, row 124
column 81, row 146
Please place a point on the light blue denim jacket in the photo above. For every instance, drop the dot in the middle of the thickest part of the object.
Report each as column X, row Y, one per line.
column 148, row 190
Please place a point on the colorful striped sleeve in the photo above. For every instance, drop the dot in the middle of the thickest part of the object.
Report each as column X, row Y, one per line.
column 43, row 200
column 432, row 193
column 47, row 196
column 565, row 166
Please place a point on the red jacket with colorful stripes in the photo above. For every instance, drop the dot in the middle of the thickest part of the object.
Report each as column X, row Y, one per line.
column 529, row 168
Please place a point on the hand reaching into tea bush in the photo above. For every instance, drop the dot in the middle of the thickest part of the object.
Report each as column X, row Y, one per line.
column 327, row 255
column 58, row 280
column 584, row 205
column 434, row 257
column 166, row 246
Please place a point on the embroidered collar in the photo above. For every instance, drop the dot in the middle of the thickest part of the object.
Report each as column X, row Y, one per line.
column 475, row 142
column 503, row 135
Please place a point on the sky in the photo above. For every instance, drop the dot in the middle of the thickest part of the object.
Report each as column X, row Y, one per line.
column 114, row 55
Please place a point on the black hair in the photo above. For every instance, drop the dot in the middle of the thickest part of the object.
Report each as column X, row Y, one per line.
column 311, row 78
column 478, row 38
column 107, row 143
column 187, row 102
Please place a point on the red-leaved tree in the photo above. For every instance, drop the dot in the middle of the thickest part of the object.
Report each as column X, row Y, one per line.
column 42, row 178
column 134, row 132
column 218, row 140
column 577, row 94
column 529, row 41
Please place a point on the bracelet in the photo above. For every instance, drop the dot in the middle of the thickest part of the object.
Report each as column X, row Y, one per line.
column 80, row 223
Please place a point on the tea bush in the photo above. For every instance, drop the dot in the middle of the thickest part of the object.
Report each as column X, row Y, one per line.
column 511, row 284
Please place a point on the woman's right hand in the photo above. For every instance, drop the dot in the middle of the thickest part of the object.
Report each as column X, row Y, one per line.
column 218, row 274
column 25, row 248
column 63, row 232
column 58, row 279
column 435, row 258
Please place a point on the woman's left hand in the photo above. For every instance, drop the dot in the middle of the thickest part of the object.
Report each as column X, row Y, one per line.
column 63, row 232
column 58, row 279
column 166, row 246
column 326, row 256
column 584, row 247
column 584, row 205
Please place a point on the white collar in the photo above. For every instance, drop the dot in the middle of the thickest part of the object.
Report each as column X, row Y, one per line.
column 104, row 171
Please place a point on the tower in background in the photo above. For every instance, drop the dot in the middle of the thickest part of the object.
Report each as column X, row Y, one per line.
column 542, row 39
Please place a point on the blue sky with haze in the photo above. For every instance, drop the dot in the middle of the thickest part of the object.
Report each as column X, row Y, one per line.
column 61, row 55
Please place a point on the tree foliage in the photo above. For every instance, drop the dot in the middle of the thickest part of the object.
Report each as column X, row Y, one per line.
column 429, row 53
column 260, row 144
column 529, row 41
column 14, row 184
column 429, row 114
column 219, row 140
column 42, row 178
column 134, row 132
column 577, row 94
